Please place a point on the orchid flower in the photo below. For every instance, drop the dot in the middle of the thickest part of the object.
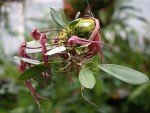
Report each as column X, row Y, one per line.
column 83, row 34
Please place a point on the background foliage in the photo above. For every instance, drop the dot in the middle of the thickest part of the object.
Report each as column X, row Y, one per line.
column 109, row 94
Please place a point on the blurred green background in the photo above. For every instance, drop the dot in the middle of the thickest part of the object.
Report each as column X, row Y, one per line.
column 131, row 48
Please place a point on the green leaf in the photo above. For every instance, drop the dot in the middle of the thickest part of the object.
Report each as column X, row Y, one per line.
column 73, row 23
column 35, row 70
column 63, row 16
column 86, row 78
column 125, row 74
column 32, row 71
column 57, row 18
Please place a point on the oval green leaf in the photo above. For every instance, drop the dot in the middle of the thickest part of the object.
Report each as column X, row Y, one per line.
column 35, row 70
column 57, row 18
column 32, row 72
column 86, row 78
column 125, row 74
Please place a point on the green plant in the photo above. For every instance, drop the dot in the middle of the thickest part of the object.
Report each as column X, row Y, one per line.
column 73, row 49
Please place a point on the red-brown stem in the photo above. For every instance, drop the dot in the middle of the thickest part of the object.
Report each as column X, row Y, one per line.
column 45, row 31
column 22, row 68
column 33, row 92
column 43, row 41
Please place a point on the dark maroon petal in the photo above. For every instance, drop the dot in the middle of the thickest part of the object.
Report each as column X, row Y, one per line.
column 95, row 31
column 77, row 40
column 97, row 39
column 43, row 41
column 22, row 68
column 35, row 34
column 33, row 92
column 94, row 47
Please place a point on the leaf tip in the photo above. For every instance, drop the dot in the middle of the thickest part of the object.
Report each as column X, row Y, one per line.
column 20, row 78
